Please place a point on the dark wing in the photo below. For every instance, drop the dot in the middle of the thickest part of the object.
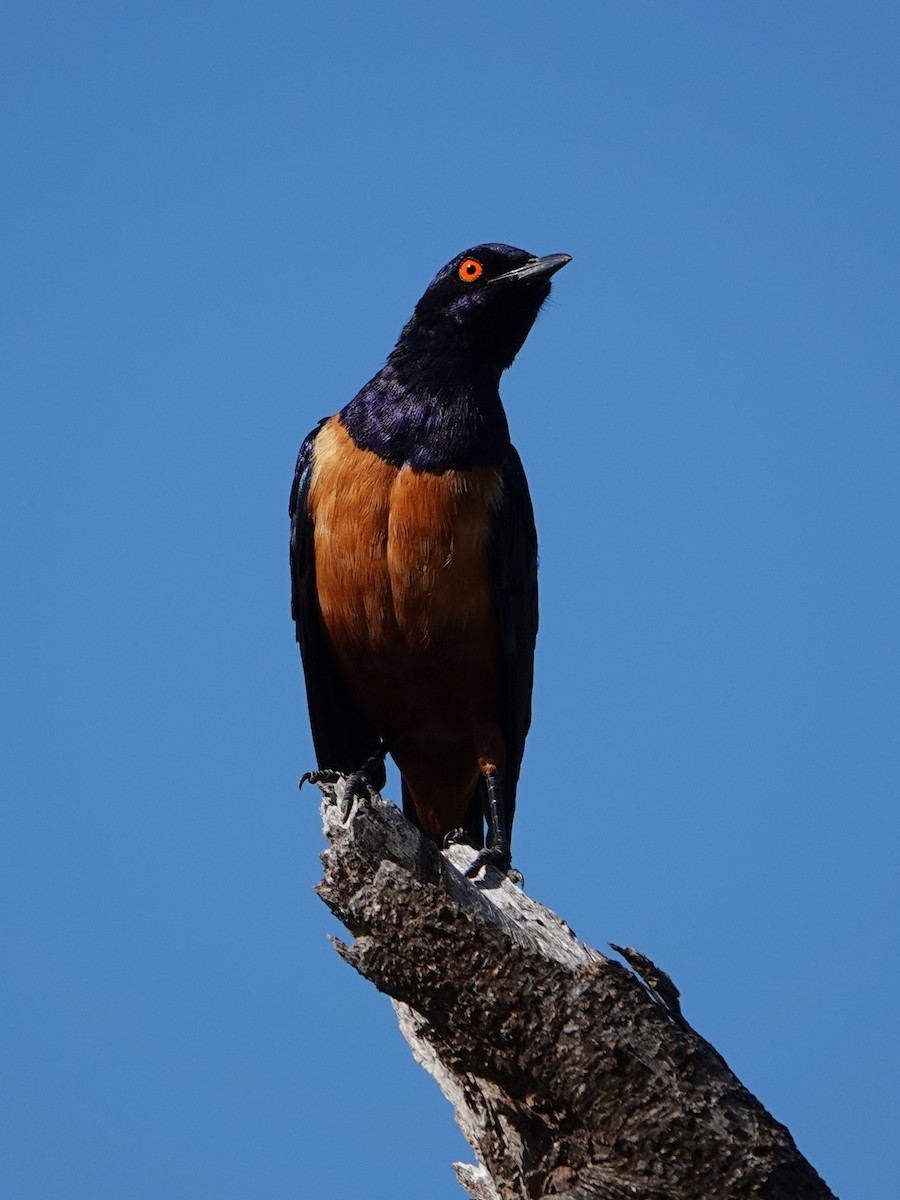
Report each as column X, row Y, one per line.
column 342, row 737
column 513, row 558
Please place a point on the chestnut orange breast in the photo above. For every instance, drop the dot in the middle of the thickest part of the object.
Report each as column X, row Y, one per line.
column 401, row 555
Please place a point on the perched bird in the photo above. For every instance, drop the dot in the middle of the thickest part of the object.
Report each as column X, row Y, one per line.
column 414, row 560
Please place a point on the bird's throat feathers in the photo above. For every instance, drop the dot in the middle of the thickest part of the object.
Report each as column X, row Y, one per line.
column 420, row 412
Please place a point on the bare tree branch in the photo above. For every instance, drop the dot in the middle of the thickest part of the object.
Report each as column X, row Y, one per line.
column 570, row 1074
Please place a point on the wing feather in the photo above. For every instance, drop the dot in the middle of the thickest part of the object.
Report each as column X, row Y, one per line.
column 513, row 556
column 342, row 737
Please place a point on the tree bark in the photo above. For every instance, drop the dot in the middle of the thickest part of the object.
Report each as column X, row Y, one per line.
column 571, row 1075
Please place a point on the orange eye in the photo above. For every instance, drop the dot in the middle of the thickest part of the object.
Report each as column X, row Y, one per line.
column 470, row 270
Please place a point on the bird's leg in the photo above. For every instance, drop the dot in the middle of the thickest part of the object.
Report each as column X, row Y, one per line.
column 497, row 852
column 359, row 783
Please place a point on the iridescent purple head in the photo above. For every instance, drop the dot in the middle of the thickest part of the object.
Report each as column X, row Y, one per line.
column 481, row 306
column 435, row 404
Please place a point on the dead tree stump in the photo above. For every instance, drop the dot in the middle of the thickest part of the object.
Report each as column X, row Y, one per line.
column 570, row 1074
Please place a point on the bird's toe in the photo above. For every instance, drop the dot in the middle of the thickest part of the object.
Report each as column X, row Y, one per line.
column 456, row 837
column 499, row 858
column 357, row 786
column 322, row 779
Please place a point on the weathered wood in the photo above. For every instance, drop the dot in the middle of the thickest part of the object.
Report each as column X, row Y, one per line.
column 571, row 1075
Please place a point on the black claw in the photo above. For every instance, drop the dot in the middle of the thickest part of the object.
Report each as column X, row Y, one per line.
column 357, row 786
column 319, row 777
column 492, row 856
column 456, row 837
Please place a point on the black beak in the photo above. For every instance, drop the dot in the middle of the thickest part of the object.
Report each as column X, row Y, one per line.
column 536, row 268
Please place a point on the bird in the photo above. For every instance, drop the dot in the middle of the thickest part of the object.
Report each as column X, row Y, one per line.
column 413, row 558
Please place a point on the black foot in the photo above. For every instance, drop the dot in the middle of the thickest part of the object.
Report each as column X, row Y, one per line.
column 357, row 786
column 319, row 777
column 456, row 837
column 499, row 858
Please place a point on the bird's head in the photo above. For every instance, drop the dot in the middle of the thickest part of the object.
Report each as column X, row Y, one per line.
column 479, row 308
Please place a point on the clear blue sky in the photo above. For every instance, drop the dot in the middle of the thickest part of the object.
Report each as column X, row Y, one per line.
column 216, row 219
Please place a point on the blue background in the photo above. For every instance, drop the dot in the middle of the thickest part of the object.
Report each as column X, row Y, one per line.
column 217, row 218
